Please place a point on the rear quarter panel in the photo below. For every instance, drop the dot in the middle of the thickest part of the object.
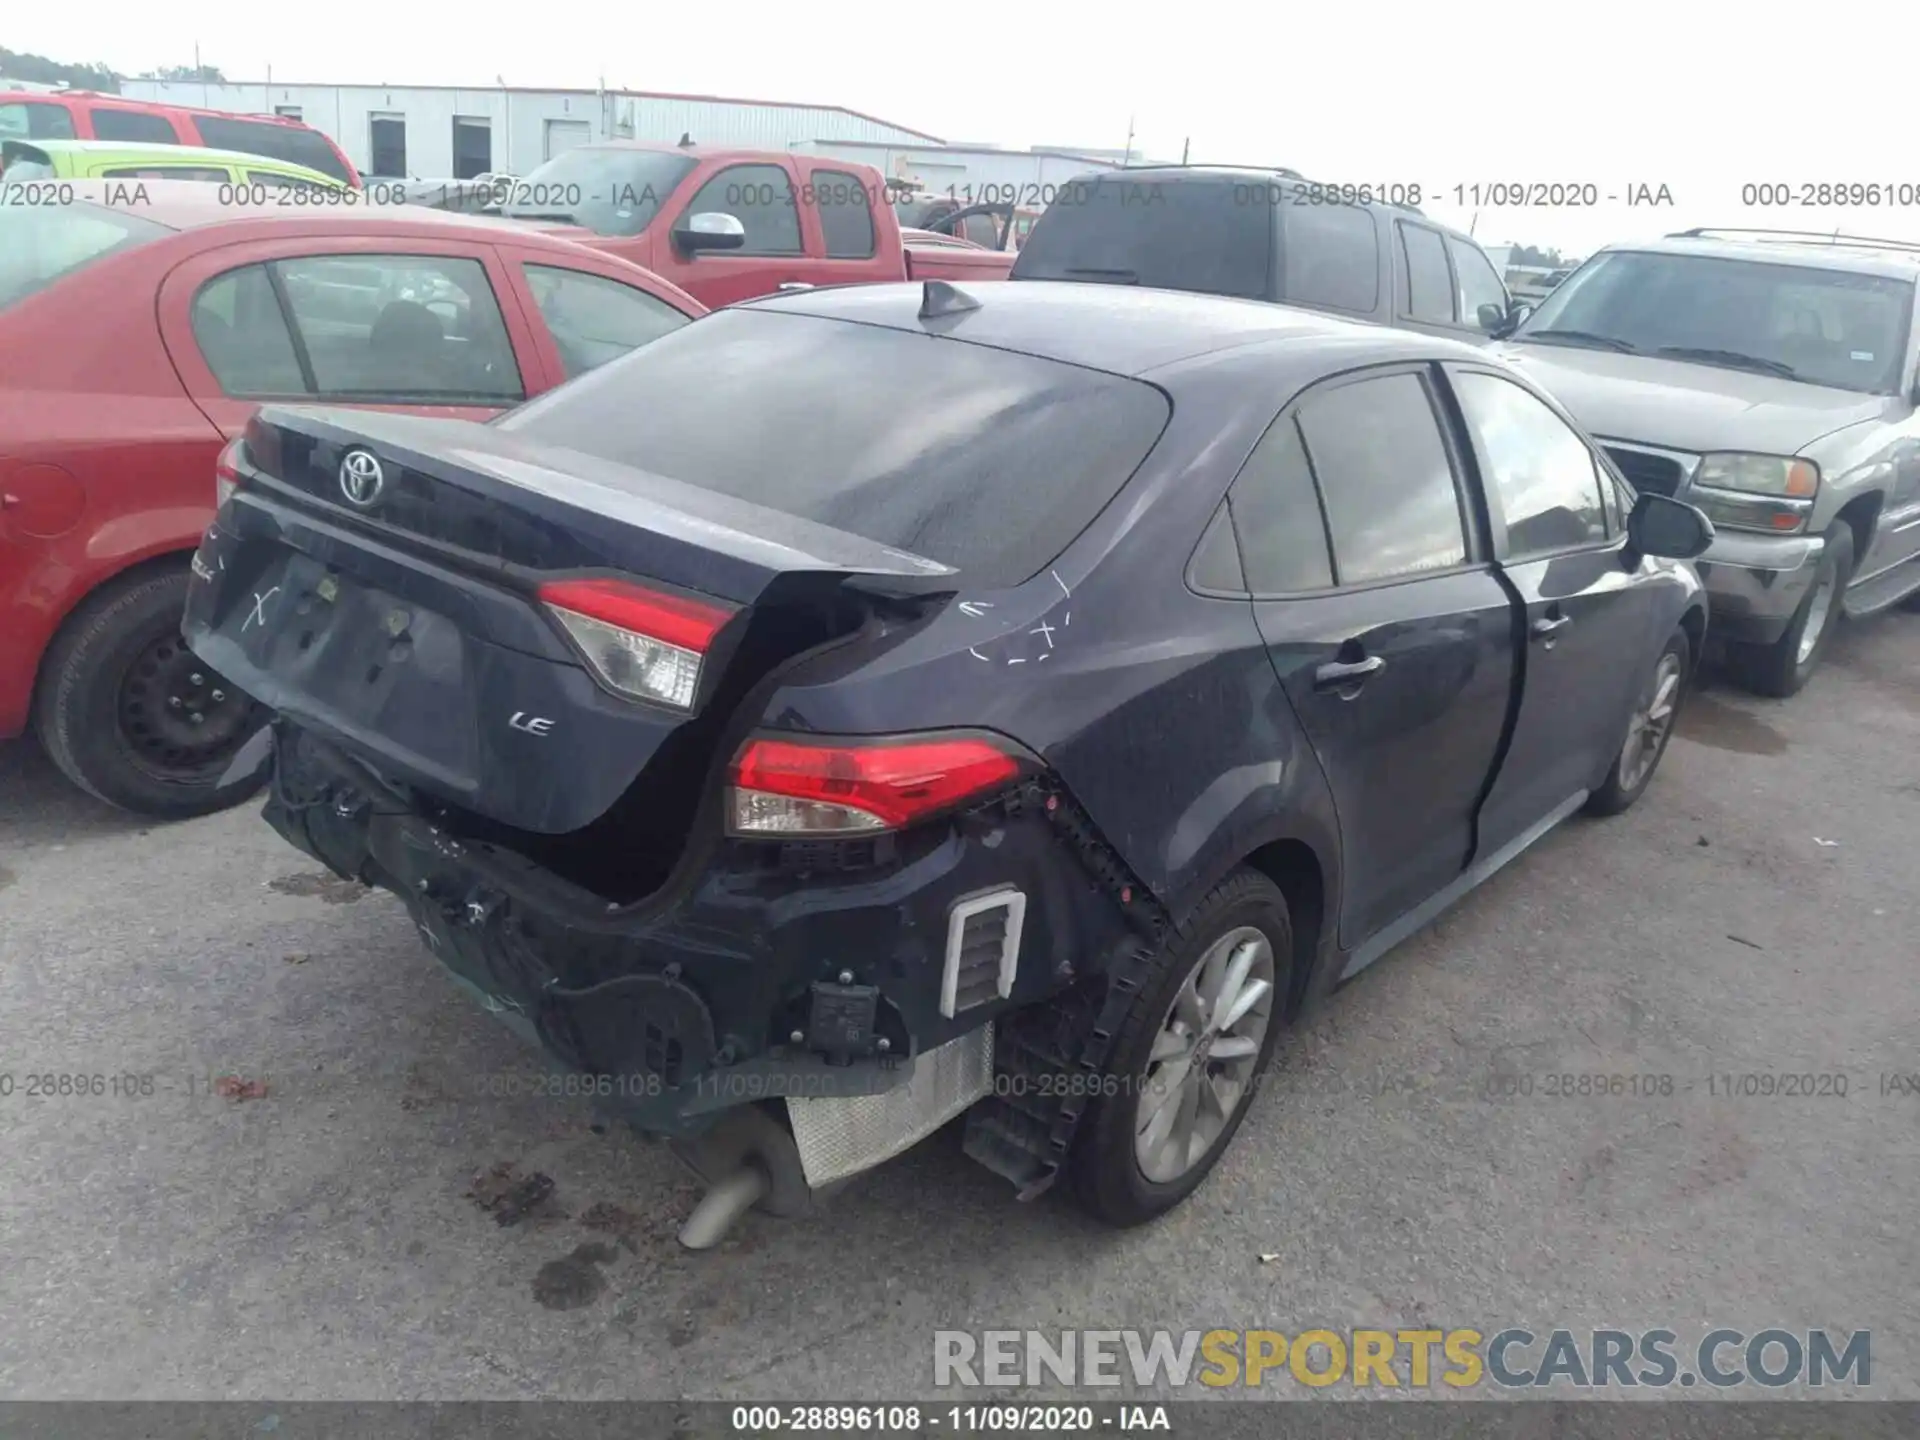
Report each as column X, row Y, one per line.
column 102, row 406
column 1157, row 707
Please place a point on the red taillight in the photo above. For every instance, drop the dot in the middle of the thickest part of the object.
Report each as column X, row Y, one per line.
column 806, row 787
column 227, row 476
column 641, row 642
column 688, row 624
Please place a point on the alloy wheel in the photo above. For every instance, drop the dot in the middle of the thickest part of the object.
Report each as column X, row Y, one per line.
column 1200, row 1070
column 1818, row 608
column 1652, row 723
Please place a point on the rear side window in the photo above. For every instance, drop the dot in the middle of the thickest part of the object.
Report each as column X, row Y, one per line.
column 166, row 172
column 41, row 243
column 136, row 125
column 1542, row 473
column 242, row 334
column 35, row 120
column 761, row 198
column 292, row 143
column 845, row 220
column 1283, row 537
column 1385, row 478
column 1429, row 293
column 399, row 328
column 1211, row 236
column 982, row 459
column 1330, row 256
column 593, row 319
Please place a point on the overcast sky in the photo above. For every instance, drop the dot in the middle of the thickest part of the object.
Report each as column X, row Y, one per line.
column 1619, row 95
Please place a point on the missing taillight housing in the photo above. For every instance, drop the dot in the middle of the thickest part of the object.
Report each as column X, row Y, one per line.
column 848, row 787
column 227, row 474
column 640, row 642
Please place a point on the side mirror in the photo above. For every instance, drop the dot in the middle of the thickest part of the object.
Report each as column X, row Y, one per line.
column 1492, row 319
column 710, row 230
column 1672, row 529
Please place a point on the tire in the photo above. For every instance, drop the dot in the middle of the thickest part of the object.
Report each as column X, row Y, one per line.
column 1781, row 669
column 1633, row 767
column 102, row 707
column 1107, row 1171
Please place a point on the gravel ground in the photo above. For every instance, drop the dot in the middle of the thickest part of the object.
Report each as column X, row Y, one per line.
column 330, row 1238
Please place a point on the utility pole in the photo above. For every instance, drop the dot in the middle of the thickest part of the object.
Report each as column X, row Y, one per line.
column 1185, row 146
column 202, row 74
column 1127, row 159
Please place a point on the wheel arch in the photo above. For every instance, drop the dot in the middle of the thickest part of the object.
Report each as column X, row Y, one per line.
column 132, row 571
column 1693, row 620
column 1296, row 868
column 1862, row 515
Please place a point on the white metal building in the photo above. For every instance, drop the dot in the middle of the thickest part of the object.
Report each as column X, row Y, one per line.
column 441, row 131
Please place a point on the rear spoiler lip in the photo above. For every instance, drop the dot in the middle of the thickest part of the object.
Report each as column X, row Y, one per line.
column 496, row 465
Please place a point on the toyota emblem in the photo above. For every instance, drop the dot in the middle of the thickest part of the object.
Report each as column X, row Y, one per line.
column 361, row 478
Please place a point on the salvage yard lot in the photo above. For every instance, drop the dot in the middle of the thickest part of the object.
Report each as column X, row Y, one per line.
column 341, row 1234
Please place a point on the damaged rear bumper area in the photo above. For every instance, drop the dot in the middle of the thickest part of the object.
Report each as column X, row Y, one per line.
column 852, row 986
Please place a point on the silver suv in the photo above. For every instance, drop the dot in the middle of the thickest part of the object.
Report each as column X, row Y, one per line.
column 1769, row 378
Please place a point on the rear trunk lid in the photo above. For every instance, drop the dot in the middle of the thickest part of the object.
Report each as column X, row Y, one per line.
column 378, row 579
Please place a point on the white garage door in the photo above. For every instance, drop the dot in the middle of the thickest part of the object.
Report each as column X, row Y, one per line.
column 565, row 134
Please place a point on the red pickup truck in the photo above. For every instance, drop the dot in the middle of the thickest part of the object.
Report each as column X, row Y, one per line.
column 726, row 225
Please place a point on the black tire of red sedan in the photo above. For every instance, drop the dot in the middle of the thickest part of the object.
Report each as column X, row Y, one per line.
column 1655, row 712
column 1782, row 668
column 1188, row 1054
column 131, row 716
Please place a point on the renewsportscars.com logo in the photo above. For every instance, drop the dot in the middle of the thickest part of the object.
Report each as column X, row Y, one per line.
column 1513, row 1358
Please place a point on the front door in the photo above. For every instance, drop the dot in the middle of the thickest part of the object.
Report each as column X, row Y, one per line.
column 1591, row 624
column 1385, row 624
column 765, row 200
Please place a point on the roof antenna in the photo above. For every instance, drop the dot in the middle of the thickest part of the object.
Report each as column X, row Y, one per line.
column 686, row 139
column 938, row 298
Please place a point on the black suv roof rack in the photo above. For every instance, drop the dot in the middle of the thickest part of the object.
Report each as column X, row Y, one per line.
column 1282, row 171
column 1836, row 238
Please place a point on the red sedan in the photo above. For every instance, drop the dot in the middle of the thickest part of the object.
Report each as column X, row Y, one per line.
column 139, row 328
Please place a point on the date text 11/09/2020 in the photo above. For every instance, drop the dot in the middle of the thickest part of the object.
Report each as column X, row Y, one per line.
column 950, row 1419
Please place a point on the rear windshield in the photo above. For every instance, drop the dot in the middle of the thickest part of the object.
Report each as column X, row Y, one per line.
column 1213, row 236
column 610, row 192
column 292, row 143
column 983, row 459
column 39, row 242
column 1825, row 327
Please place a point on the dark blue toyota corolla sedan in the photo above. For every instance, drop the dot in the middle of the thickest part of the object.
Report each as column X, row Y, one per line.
column 867, row 706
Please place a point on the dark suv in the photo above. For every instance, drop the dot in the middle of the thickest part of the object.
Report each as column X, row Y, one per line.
column 860, row 707
column 1269, row 235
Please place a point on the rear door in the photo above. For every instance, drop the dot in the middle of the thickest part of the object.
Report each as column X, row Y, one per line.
column 843, row 237
column 430, row 327
column 1386, row 625
column 1591, row 619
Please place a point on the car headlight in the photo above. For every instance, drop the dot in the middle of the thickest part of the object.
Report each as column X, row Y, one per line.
column 1759, row 475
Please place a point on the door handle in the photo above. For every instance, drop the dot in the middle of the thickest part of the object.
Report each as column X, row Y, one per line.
column 1545, row 627
column 794, row 285
column 1347, row 675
